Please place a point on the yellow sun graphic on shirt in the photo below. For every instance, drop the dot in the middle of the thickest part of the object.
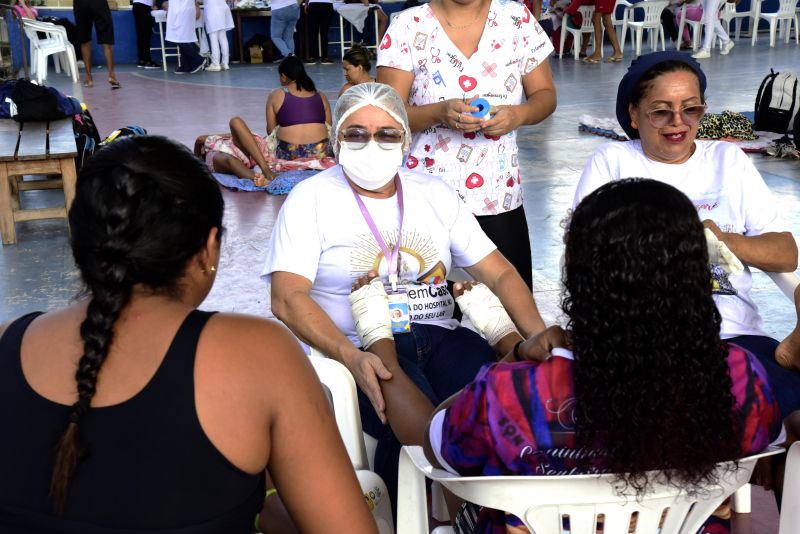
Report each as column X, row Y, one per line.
column 418, row 256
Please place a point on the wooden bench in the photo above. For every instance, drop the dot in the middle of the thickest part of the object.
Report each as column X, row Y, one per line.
column 29, row 148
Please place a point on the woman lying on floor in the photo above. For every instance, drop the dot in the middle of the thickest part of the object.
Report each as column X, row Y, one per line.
column 632, row 365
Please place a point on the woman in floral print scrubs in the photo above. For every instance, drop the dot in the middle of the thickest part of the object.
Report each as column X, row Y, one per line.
column 442, row 55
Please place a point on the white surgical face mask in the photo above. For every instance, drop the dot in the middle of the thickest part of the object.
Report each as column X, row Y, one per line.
column 371, row 167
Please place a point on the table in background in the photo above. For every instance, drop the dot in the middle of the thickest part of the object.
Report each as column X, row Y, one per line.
column 238, row 15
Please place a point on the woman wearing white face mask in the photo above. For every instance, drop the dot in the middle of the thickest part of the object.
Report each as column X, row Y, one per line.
column 345, row 222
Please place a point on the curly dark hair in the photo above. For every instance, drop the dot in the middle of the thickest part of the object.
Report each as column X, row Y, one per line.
column 652, row 384
column 144, row 206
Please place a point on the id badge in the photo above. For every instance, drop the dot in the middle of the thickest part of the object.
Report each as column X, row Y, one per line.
column 398, row 312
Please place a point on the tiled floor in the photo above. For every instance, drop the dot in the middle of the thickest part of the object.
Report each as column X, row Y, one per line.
column 39, row 274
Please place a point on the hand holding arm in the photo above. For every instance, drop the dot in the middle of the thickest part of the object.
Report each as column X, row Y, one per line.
column 293, row 305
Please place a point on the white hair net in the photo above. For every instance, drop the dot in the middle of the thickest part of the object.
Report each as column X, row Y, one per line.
column 379, row 95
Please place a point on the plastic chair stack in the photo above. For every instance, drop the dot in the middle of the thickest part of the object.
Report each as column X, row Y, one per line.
column 55, row 43
column 651, row 22
column 577, row 33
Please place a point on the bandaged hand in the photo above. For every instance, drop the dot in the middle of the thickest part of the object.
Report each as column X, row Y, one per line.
column 486, row 312
column 370, row 307
column 720, row 254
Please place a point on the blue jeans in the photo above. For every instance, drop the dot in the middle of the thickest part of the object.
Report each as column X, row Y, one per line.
column 785, row 383
column 440, row 362
column 190, row 57
column 281, row 28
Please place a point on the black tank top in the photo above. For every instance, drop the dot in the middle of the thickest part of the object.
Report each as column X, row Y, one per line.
column 150, row 467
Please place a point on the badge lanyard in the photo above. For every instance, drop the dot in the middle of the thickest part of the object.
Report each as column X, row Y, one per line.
column 392, row 257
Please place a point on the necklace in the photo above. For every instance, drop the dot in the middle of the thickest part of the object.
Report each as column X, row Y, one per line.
column 464, row 26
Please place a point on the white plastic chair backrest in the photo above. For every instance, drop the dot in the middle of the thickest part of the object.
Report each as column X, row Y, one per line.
column 623, row 13
column 786, row 282
column 790, row 502
column 786, row 8
column 542, row 502
column 52, row 31
column 652, row 11
column 586, row 14
column 342, row 387
column 377, row 497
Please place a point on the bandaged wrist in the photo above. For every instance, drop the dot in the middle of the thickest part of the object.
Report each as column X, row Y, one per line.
column 486, row 312
column 720, row 254
column 370, row 307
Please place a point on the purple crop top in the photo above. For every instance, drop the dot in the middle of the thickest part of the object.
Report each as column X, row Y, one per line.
column 301, row 110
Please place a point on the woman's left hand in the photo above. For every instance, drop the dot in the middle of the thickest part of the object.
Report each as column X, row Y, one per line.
column 504, row 120
column 539, row 347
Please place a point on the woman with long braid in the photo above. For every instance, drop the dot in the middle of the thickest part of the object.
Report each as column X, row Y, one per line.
column 133, row 411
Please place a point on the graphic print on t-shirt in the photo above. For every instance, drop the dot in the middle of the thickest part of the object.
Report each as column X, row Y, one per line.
column 422, row 274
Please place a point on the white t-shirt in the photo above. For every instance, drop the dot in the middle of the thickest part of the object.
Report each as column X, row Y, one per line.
column 725, row 187
column 484, row 171
column 322, row 235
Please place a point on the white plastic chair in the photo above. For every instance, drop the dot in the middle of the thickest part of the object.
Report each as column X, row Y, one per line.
column 54, row 44
column 342, row 388
column 652, row 23
column 790, row 502
column 786, row 15
column 577, row 33
column 730, row 14
column 377, row 496
column 619, row 22
column 542, row 501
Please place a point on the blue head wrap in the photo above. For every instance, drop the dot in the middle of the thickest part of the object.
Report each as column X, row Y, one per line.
column 636, row 71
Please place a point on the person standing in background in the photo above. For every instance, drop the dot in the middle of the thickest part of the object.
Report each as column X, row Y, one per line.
column 95, row 13
column 319, row 14
column 144, row 30
column 181, row 17
column 218, row 20
column 713, row 26
column 440, row 57
column 285, row 14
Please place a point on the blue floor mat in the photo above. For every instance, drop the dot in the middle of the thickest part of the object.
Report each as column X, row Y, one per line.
column 281, row 185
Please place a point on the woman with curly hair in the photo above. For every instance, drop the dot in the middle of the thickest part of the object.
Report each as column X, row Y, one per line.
column 644, row 387
column 660, row 102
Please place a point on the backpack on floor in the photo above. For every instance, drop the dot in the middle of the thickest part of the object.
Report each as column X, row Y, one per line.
column 126, row 131
column 777, row 102
column 87, row 138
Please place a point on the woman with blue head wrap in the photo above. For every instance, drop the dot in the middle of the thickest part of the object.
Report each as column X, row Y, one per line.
column 660, row 102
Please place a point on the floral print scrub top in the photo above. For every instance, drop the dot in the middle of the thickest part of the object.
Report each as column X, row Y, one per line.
column 484, row 170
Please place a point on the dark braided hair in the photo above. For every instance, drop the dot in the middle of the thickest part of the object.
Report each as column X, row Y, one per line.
column 144, row 206
column 652, row 385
